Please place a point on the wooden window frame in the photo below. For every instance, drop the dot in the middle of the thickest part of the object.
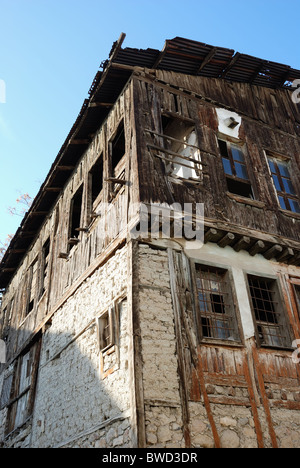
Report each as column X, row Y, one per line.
column 274, row 331
column 208, row 303
column 234, row 178
column 74, row 232
column 106, row 329
column 94, row 200
column 282, row 192
column 116, row 168
column 20, row 389
column 173, row 143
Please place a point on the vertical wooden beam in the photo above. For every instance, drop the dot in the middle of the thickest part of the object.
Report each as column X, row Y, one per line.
column 134, row 349
column 183, row 385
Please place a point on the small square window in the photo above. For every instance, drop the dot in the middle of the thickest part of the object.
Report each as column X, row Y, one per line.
column 106, row 329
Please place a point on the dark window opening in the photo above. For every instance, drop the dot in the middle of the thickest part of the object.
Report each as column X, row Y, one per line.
column 32, row 288
column 235, row 169
column 287, row 196
column 45, row 265
column 217, row 312
column 96, row 179
column 297, row 296
column 117, row 148
column 268, row 312
column 75, row 215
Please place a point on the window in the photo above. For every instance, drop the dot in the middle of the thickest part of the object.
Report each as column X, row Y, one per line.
column 182, row 158
column 32, row 288
column 45, row 266
column 215, row 301
column 96, row 180
column 272, row 328
column 287, row 197
column 116, row 164
column 235, row 169
column 19, row 388
column 75, row 217
column 297, row 296
column 106, row 329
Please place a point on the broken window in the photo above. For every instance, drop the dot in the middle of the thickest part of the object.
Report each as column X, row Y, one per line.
column 183, row 159
column 287, row 196
column 235, row 169
column 267, row 307
column 215, row 301
column 75, row 217
column 19, row 388
column 45, row 266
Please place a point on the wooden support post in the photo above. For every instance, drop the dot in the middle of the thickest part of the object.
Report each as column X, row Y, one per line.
column 211, row 235
column 258, row 247
column 226, row 240
column 273, row 252
column 286, row 254
column 243, row 244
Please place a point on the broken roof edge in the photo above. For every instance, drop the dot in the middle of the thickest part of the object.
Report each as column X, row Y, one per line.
column 178, row 54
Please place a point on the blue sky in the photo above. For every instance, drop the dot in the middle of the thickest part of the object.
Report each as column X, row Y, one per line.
column 50, row 51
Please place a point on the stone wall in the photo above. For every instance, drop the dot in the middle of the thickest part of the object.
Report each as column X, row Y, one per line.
column 75, row 405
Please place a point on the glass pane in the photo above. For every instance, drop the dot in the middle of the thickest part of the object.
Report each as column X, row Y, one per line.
column 227, row 166
column 288, row 186
column 237, row 153
column 283, row 169
column 241, row 171
column 282, row 203
column 276, row 182
column 295, row 207
column 272, row 166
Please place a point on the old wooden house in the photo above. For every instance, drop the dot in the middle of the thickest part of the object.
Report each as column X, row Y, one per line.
column 118, row 336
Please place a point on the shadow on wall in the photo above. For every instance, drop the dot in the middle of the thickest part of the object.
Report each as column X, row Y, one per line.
column 81, row 396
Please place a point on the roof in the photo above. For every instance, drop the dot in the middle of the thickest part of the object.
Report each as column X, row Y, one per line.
column 178, row 55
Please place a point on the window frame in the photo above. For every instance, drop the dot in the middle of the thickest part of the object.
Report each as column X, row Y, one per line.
column 233, row 315
column 275, row 159
column 283, row 323
column 169, row 145
column 20, row 391
column 233, row 177
column 71, row 229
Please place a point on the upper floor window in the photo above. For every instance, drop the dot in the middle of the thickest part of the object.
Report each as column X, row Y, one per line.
column 268, row 312
column 287, row 196
column 75, row 217
column 216, row 305
column 235, row 169
column 183, row 159
column 116, row 163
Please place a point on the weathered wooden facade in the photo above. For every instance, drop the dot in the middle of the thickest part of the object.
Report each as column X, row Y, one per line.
column 121, row 340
